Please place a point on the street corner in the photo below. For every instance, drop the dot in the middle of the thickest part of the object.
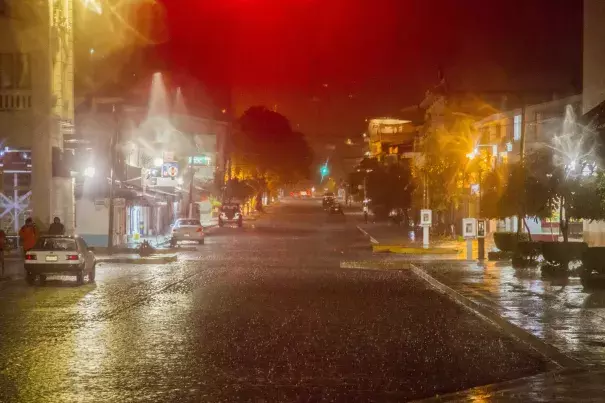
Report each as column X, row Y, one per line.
column 154, row 259
column 410, row 250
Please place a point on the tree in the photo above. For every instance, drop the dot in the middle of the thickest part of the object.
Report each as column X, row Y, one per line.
column 238, row 189
column 390, row 187
column 264, row 149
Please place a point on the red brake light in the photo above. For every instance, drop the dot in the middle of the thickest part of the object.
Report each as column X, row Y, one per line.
column 31, row 257
column 199, row 229
column 73, row 257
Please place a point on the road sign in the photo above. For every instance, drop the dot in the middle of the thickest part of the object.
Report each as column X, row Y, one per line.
column 170, row 170
column 426, row 218
column 480, row 228
column 203, row 160
column 469, row 227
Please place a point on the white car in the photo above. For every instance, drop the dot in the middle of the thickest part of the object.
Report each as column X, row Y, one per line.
column 59, row 254
column 187, row 229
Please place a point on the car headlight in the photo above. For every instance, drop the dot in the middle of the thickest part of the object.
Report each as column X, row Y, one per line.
column 223, row 215
column 236, row 215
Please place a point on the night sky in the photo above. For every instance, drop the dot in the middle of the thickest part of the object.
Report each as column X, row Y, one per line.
column 329, row 64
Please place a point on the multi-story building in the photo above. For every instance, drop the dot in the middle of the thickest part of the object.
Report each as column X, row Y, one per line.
column 36, row 96
column 502, row 134
column 164, row 164
column 391, row 137
column 594, row 89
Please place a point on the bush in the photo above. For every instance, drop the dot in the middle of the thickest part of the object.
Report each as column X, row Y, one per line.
column 507, row 241
column 593, row 259
column 561, row 253
column 528, row 250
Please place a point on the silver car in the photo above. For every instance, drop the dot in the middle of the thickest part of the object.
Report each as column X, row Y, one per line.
column 187, row 229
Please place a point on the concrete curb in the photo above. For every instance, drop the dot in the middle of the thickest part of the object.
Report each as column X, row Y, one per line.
column 548, row 351
column 406, row 250
column 139, row 260
column 372, row 239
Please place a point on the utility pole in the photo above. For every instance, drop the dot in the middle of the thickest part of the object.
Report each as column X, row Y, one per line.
column 112, row 150
column 190, row 215
column 521, row 213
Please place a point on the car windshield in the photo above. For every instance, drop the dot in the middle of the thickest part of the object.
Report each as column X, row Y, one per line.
column 56, row 244
column 182, row 223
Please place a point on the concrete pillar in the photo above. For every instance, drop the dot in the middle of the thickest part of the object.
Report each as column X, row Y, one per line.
column 56, row 111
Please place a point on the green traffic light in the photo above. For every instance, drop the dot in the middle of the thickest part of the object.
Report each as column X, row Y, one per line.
column 324, row 170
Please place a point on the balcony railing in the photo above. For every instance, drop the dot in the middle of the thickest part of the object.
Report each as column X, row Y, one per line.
column 15, row 100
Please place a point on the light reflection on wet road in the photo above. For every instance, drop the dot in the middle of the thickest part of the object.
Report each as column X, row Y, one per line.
column 262, row 313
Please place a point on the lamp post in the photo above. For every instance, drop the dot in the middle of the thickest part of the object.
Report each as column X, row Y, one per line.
column 471, row 156
column 112, row 150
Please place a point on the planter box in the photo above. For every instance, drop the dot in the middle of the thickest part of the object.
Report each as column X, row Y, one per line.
column 561, row 253
column 507, row 241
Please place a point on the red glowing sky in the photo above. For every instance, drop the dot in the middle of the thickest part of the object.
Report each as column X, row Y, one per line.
column 377, row 56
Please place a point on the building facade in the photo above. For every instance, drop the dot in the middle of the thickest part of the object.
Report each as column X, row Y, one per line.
column 36, row 97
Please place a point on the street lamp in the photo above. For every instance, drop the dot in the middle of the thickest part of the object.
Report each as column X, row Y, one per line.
column 471, row 156
column 89, row 172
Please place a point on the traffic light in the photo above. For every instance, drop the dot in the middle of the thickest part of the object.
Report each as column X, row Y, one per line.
column 324, row 170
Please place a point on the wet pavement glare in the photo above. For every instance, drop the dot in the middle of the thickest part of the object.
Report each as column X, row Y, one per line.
column 263, row 313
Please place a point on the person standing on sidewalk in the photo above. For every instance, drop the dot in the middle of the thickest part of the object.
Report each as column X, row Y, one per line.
column 365, row 213
column 28, row 235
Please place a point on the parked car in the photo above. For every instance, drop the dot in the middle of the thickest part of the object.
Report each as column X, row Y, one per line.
column 187, row 229
column 230, row 213
column 60, row 254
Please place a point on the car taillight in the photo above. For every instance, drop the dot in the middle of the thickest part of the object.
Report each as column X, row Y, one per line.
column 199, row 229
column 31, row 257
column 73, row 257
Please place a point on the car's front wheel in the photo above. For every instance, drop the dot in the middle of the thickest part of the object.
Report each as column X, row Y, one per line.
column 240, row 223
column 221, row 223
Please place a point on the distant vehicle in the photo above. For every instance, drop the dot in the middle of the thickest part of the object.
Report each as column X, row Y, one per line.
column 187, row 229
column 336, row 209
column 328, row 200
column 230, row 213
column 305, row 193
column 60, row 254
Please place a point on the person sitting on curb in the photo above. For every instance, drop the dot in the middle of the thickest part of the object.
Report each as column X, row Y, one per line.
column 56, row 228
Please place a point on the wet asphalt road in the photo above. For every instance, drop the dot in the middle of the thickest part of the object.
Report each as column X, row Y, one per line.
column 262, row 314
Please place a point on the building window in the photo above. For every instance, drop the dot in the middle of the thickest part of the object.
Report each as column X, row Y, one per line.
column 517, row 127
column 15, row 71
column 6, row 70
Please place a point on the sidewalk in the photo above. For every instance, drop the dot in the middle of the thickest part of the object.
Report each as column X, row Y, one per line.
column 388, row 236
column 557, row 310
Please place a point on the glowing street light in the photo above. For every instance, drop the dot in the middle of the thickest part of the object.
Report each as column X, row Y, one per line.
column 93, row 5
column 89, row 172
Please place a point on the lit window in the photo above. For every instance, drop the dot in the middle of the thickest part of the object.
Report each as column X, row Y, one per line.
column 517, row 127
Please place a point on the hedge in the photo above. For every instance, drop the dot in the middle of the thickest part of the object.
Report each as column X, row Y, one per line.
column 561, row 253
column 593, row 259
column 507, row 241
column 529, row 250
